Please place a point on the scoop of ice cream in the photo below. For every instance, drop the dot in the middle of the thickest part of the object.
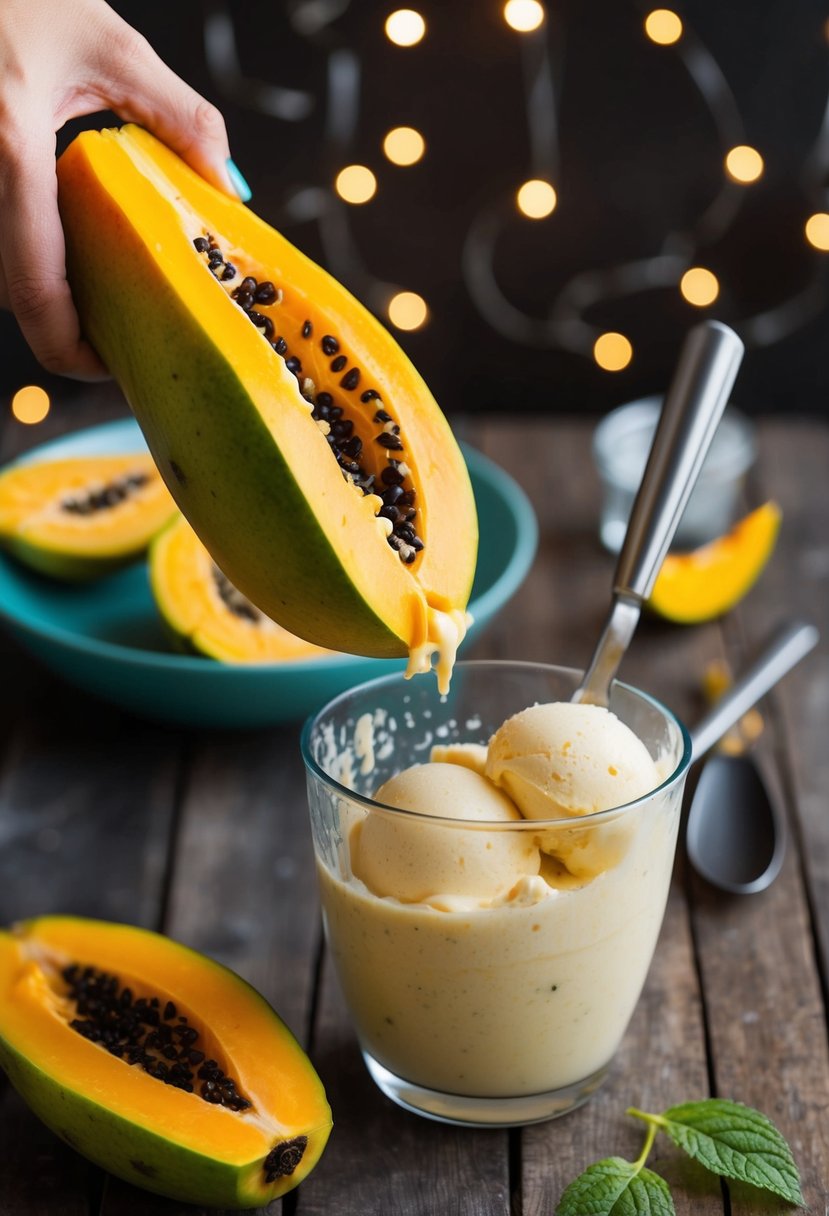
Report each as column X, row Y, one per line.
column 569, row 759
column 470, row 755
column 415, row 861
column 565, row 759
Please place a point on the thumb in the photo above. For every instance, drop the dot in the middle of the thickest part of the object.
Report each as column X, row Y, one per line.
column 144, row 90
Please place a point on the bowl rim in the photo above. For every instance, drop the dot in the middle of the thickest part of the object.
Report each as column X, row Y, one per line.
column 126, row 430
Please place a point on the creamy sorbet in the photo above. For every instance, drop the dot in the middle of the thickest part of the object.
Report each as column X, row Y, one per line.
column 492, row 934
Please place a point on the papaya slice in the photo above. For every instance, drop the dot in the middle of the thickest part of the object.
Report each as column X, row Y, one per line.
column 81, row 517
column 157, row 1063
column 705, row 583
column 294, row 434
column 205, row 612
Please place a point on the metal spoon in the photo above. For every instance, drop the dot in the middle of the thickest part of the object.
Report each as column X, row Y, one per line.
column 736, row 833
column 694, row 403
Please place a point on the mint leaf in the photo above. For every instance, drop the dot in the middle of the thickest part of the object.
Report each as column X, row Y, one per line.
column 615, row 1187
column 735, row 1141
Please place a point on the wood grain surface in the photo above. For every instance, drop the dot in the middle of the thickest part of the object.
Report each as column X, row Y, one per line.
column 204, row 836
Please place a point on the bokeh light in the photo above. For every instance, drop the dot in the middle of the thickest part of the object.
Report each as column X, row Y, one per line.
column 405, row 27
column 407, row 310
column 699, row 286
column 663, row 26
column 744, row 164
column 536, row 199
column 404, row 146
column 612, row 351
column 30, row 404
column 356, row 184
column 523, row 15
column 817, row 230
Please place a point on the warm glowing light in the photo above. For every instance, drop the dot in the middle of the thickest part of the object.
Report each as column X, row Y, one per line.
column 536, row 198
column 404, row 146
column 744, row 164
column 405, row 27
column 699, row 286
column 817, row 230
column 30, row 404
column 356, row 184
column 612, row 352
column 663, row 26
column 523, row 15
column 407, row 310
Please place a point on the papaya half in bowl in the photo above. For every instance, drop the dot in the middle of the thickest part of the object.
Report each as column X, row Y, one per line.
column 107, row 637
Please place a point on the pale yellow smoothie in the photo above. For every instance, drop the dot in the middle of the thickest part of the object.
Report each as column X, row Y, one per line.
column 521, row 993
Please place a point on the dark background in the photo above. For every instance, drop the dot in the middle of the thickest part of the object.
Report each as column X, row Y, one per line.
column 635, row 152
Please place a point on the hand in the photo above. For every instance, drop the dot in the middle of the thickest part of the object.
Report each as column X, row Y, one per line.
column 60, row 60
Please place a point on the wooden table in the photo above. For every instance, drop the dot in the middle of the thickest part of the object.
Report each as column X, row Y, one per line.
column 204, row 836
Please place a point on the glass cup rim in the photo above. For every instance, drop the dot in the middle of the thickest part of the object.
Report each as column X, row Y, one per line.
column 566, row 821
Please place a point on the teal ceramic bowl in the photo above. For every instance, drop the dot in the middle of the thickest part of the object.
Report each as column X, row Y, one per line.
column 107, row 638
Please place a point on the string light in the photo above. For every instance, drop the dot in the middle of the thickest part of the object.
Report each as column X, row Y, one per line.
column 407, row 310
column 356, row 184
column 536, row 199
column 817, row 230
column 404, row 146
column 523, row 15
column 663, row 26
column 699, row 286
column 565, row 325
column 405, row 27
column 612, row 351
column 744, row 164
column 30, row 404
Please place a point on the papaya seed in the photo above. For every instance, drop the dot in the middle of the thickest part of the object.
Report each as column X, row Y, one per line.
column 109, row 495
column 133, row 1030
column 284, row 1158
column 339, row 431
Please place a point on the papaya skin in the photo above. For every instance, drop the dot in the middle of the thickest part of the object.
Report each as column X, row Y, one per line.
column 131, row 1124
column 224, row 418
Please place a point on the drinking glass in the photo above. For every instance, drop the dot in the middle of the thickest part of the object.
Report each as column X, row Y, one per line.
column 501, row 1011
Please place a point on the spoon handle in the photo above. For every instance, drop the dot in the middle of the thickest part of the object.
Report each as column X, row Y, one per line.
column 786, row 648
column 705, row 374
column 703, row 379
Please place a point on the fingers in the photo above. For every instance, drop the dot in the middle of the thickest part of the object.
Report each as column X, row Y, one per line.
column 33, row 257
column 144, row 90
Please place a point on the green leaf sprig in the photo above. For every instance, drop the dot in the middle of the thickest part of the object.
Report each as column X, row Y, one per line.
column 727, row 1138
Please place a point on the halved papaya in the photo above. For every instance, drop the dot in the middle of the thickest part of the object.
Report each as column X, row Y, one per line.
column 80, row 517
column 206, row 612
column 293, row 432
column 706, row 582
column 157, row 1063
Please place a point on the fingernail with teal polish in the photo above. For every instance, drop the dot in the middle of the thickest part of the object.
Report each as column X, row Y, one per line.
column 238, row 182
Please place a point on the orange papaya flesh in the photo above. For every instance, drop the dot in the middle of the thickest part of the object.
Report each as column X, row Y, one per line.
column 225, row 417
column 205, row 612
column 705, row 583
column 81, row 517
column 124, row 989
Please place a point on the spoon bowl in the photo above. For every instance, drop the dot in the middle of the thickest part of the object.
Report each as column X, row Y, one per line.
column 736, row 832
column 736, row 835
